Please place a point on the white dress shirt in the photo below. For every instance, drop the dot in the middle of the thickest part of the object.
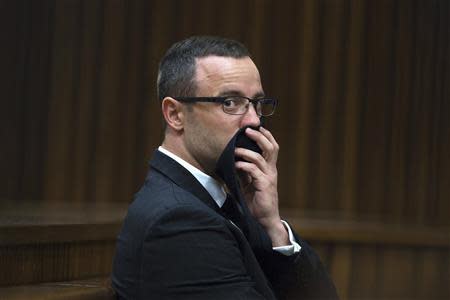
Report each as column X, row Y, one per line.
column 218, row 193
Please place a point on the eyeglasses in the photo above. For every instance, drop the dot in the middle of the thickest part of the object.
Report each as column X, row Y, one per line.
column 238, row 105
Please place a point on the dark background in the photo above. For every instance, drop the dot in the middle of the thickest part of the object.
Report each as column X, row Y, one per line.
column 363, row 117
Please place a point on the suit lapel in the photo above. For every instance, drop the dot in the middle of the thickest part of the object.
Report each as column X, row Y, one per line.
column 182, row 177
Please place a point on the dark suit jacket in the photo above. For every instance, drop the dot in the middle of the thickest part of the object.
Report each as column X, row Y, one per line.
column 175, row 243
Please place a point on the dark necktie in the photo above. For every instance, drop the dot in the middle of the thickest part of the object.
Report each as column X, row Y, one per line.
column 232, row 211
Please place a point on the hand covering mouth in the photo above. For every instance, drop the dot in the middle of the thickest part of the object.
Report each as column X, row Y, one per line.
column 225, row 167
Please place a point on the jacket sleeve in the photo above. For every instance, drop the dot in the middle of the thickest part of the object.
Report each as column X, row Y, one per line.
column 299, row 276
column 191, row 254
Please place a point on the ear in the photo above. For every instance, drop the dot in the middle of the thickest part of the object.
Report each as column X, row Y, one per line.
column 173, row 113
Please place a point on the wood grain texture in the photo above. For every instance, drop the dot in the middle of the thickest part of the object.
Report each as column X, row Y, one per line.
column 363, row 121
column 57, row 261
column 90, row 289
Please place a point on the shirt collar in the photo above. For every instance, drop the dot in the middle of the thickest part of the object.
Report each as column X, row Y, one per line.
column 214, row 188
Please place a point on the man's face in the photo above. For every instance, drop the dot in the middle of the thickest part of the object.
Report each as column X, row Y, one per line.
column 208, row 128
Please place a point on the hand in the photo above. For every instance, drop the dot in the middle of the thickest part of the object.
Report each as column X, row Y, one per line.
column 259, row 178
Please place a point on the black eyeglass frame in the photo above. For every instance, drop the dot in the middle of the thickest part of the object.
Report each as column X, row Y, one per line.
column 222, row 100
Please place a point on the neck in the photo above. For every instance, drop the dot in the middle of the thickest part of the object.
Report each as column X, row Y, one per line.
column 180, row 150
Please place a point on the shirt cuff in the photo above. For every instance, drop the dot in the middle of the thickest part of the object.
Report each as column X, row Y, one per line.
column 291, row 249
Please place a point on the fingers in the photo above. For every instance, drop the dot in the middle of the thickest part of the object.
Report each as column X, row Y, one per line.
column 269, row 136
column 266, row 142
column 252, row 157
column 251, row 169
column 262, row 168
column 245, row 178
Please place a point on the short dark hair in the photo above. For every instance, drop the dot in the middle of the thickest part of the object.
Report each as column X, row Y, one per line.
column 177, row 68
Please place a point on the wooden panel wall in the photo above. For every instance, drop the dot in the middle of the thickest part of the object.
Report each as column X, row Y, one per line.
column 363, row 120
column 55, row 262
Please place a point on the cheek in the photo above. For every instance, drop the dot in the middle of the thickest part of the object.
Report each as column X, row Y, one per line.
column 214, row 128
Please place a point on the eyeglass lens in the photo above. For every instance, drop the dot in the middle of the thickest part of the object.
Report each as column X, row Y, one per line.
column 240, row 105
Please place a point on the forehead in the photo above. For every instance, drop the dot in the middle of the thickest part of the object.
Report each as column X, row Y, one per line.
column 217, row 75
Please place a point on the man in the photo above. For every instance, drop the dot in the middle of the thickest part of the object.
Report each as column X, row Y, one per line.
column 177, row 242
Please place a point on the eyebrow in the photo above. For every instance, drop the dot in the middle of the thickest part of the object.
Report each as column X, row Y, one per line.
column 238, row 93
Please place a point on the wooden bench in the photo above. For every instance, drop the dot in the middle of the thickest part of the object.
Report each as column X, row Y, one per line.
column 47, row 250
column 92, row 289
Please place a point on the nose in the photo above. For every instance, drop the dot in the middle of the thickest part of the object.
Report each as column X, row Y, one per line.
column 251, row 118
